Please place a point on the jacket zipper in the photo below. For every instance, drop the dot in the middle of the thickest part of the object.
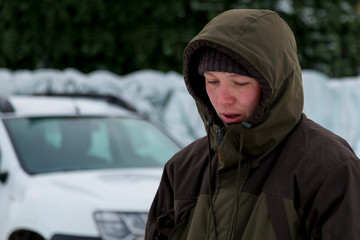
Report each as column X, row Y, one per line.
column 220, row 134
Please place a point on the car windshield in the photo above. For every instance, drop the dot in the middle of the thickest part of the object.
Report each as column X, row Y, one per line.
column 65, row 144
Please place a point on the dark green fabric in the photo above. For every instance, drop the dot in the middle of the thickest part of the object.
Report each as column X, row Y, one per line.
column 264, row 44
column 277, row 179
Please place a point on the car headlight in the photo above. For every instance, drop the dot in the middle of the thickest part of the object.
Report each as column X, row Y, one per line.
column 121, row 225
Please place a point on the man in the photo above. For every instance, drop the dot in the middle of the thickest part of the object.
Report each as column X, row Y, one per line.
column 264, row 171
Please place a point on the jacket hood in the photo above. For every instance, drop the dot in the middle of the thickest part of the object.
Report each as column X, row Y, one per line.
column 264, row 44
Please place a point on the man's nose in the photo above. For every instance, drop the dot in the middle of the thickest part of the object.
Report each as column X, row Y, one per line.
column 225, row 95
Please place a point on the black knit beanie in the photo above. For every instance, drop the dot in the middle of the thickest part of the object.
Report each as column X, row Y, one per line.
column 215, row 61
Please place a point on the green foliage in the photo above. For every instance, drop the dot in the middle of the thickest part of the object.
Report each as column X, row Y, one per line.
column 125, row 36
column 328, row 34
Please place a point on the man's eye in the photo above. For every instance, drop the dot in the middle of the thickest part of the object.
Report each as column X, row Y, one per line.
column 212, row 82
column 241, row 83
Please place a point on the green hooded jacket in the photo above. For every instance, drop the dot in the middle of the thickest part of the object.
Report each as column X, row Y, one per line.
column 277, row 175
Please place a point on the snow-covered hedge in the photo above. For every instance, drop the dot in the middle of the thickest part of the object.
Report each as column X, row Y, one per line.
column 163, row 97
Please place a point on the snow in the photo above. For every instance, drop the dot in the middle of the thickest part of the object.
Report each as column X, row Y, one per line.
column 163, row 97
column 335, row 104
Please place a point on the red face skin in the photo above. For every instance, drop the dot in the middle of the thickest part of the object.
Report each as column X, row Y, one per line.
column 234, row 97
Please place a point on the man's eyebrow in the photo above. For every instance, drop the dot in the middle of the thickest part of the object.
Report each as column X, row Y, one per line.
column 208, row 73
column 235, row 75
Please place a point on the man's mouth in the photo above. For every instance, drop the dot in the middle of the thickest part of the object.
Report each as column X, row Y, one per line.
column 229, row 118
column 231, row 115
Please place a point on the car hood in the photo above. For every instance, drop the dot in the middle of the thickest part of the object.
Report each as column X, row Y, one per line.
column 121, row 190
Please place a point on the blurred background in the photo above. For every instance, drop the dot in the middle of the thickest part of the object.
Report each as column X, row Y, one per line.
column 133, row 49
column 83, row 44
column 46, row 43
column 126, row 36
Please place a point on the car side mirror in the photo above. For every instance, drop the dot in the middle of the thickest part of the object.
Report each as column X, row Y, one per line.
column 4, row 176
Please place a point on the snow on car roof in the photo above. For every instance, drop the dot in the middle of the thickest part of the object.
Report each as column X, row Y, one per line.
column 65, row 105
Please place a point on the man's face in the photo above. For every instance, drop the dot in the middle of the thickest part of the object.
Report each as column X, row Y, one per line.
column 234, row 97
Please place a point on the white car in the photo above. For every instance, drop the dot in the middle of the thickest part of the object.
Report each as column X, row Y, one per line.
column 77, row 167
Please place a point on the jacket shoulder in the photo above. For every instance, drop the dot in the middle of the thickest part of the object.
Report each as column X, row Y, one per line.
column 187, row 169
column 327, row 179
column 316, row 142
column 191, row 155
column 312, row 154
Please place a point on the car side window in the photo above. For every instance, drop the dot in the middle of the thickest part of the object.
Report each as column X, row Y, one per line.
column 67, row 143
column 67, row 135
column 100, row 144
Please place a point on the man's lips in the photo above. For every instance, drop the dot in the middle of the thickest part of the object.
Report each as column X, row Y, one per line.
column 231, row 115
column 231, row 118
